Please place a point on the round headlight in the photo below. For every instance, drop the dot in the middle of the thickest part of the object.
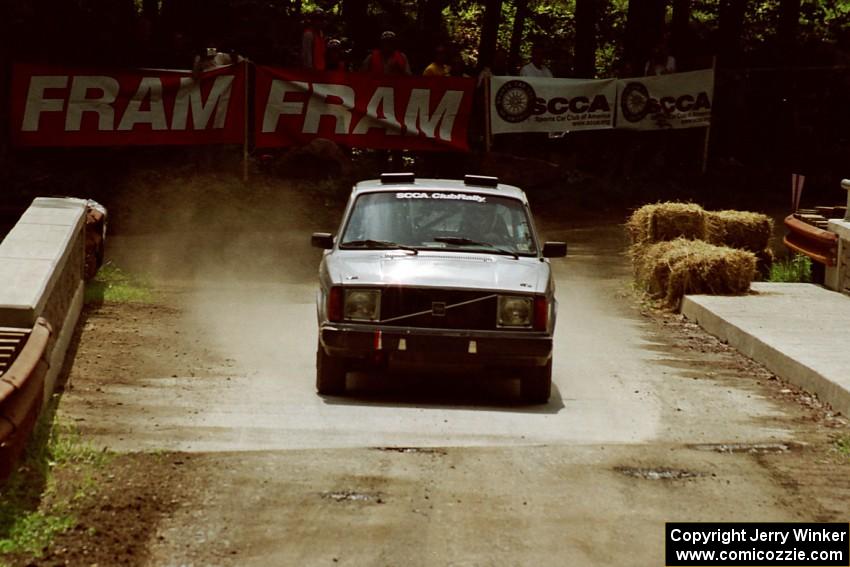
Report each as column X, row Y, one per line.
column 362, row 304
column 515, row 311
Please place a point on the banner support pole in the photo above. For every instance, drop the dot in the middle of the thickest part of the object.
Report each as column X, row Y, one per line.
column 488, row 129
column 707, row 139
column 245, row 128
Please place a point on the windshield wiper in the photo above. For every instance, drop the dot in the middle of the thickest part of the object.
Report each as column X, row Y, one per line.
column 380, row 244
column 462, row 241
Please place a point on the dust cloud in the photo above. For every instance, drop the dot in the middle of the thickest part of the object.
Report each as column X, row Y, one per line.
column 194, row 228
column 235, row 258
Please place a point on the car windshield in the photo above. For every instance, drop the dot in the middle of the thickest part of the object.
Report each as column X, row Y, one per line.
column 439, row 220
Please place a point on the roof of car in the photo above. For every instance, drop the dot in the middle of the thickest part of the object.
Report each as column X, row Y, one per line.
column 453, row 185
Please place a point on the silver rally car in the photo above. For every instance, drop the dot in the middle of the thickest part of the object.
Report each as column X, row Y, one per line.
column 436, row 273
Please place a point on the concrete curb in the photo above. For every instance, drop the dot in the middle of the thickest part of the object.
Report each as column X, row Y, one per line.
column 770, row 356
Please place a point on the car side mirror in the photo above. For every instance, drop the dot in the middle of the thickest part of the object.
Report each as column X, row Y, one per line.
column 554, row 249
column 323, row 240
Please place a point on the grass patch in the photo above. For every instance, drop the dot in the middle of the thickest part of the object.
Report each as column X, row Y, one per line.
column 34, row 507
column 842, row 446
column 113, row 284
column 796, row 269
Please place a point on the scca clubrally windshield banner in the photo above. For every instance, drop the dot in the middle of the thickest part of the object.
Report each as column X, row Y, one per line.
column 294, row 106
column 680, row 100
column 58, row 106
column 535, row 104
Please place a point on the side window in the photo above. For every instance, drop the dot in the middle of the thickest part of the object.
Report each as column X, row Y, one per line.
column 354, row 231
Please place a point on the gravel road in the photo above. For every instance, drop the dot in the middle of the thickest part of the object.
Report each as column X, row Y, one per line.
column 651, row 420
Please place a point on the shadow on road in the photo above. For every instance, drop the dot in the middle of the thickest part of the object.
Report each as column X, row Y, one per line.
column 447, row 391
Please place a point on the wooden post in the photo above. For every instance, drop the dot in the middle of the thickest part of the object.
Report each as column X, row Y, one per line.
column 245, row 128
column 708, row 128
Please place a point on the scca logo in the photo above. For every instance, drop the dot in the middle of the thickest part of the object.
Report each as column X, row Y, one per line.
column 516, row 101
column 636, row 104
column 575, row 105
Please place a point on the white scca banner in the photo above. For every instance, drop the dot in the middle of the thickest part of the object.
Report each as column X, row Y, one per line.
column 533, row 104
column 680, row 100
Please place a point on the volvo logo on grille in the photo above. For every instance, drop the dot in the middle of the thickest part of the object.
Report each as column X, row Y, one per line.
column 438, row 309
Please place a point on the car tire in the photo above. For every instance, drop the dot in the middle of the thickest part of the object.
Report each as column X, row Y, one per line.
column 330, row 374
column 536, row 386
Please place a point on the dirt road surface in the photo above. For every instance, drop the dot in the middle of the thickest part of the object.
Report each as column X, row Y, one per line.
column 650, row 420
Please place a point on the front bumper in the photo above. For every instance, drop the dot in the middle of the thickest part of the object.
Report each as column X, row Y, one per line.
column 435, row 347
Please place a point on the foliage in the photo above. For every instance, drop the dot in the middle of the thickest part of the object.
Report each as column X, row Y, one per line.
column 611, row 29
column 33, row 507
column 842, row 446
column 797, row 269
column 265, row 27
column 462, row 21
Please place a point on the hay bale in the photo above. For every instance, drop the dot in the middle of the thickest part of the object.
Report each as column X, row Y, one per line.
column 670, row 270
column 651, row 273
column 662, row 222
column 638, row 225
column 739, row 229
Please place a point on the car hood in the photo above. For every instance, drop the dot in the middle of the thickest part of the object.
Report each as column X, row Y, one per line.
column 438, row 269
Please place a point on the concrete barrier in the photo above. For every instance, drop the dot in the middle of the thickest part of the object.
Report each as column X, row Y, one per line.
column 838, row 276
column 42, row 263
column 797, row 331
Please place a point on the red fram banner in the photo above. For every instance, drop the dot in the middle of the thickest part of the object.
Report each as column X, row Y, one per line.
column 293, row 107
column 55, row 106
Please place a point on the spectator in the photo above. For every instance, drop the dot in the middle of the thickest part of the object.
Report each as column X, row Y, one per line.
column 440, row 66
column 536, row 67
column 660, row 61
column 313, row 41
column 335, row 59
column 387, row 59
column 210, row 58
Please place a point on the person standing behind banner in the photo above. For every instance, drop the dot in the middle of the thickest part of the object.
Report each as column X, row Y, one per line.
column 313, row 41
column 210, row 58
column 536, row 67
column 335, row 59
column 440, row 66
column 387, row 59
column 660, row 61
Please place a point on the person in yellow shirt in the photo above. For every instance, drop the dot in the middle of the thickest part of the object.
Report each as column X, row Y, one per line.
column 439, row 67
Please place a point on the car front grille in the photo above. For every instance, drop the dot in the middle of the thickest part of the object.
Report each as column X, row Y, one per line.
column 438, row 308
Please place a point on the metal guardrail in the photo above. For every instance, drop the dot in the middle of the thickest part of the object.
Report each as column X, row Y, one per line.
column 818, row 244
column 22, row 394
column 12, row 340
